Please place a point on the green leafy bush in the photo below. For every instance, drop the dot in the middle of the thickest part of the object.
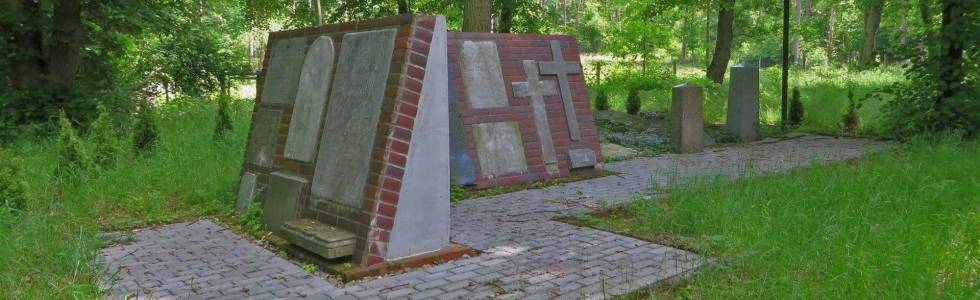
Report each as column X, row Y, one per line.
column 74, row 159
column 13, row 189
column 146, row 129
column 223, row 123
column 850, row 119
column 633, row 102
column 602, row 100
column 105, row 138
column 795, row 108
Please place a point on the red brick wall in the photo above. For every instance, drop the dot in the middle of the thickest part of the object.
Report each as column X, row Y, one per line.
column 513, row 48
column 372, row 221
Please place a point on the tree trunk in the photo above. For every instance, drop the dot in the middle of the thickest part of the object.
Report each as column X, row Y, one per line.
column 797, row 37
column 476, row 15
column 707, row 34
column 506, row 15
column 925, row 13
column 951, row 36
column 66, row 44
column 784, row 99
column 723, row 46
column 831, row 20
column 27, row 68
column 319, row 13
column 872, row 19
column 403, row 7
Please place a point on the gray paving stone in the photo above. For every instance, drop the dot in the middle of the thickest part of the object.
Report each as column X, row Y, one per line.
column 524, row 251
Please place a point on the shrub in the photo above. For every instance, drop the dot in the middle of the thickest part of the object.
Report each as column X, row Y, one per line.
column 146, row 130
column 796, row 108
column 13, row 189
column 633, row 102
column 850, row 119
column 223, row 123
column 105, row 138
column 601, row 100
column 73, row 159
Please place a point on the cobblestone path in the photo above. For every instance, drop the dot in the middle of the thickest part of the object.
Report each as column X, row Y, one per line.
column 526, row 255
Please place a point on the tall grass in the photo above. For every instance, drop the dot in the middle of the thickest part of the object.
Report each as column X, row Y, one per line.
column 823, row 89
column 897, row 225
column 48, row 249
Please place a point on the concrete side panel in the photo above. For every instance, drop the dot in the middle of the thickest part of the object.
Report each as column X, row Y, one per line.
column 311, row 99
column 282, row 75
column 422, row 219
column 500, row 148
column 483, row 81
column 353, row 112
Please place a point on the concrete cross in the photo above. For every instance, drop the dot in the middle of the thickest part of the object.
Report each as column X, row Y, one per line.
column 537, row 89
column 562, row 68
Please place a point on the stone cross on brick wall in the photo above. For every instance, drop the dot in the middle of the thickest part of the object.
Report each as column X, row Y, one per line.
column 562, row 68
column 537, row 89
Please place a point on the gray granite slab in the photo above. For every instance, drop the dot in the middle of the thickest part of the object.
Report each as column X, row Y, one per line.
column 686, row 119
column 281, row 202
column 483, row 82
column 500, row 148
column 282, row 73
column 743, row 102
column 246, row 192
column 311, row 99
column 261, row 149
column 581, row 158
column 353, row 112
column 545, row 87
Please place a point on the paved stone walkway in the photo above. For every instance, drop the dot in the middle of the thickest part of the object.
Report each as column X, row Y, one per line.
column 526, row 254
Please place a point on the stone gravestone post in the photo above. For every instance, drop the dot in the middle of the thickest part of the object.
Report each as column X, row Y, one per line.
column 743, row 102
column 686, row 120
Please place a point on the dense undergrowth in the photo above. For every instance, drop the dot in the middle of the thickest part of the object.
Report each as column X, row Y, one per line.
column 49, row 245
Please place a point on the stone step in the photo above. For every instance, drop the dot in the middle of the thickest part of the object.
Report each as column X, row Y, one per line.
column 322, row 239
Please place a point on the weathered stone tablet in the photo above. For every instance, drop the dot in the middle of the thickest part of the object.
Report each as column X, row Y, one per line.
column 500, row 149
column 261, row 149
column 352, row 117
column 281, row 202
column 743, row 102
column 483, row 81
column 311, row 99
column 686, row 119
column 282, row 74
column 246, row 192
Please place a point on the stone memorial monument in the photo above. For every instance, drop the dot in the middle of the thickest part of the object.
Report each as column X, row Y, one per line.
column 743, row 102
column 686, row 119
column 349, row 145
column 519, row 109
column 359, row 128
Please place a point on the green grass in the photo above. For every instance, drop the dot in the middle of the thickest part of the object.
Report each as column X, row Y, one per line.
column 48, row 248
column 823, row 92
column 904, row 224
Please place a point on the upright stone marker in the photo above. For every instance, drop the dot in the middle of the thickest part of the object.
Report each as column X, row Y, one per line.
column 311, row 98
column 743, row 102
column 351, row 125
column 261, row 149
column 537, row 90
column 500, row 149
column 282, row 74
column 686, row 119
column 246, row 192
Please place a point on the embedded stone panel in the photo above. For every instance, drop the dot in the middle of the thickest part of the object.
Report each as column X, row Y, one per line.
column 246, row 192
column 281, row 202
column 499, row 148
column 261, row 149
column 351, row 124
column 311, row 99
column 282, row 74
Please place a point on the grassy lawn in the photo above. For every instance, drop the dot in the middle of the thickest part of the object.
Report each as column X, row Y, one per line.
column 899, row 224
column 46, row 249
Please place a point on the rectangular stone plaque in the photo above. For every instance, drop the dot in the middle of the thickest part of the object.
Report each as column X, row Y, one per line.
column 261, row 148
column 500, row 148
column 686, row 118
column 353, row 112
column 311, row 98
column 483, row 82
column 282, row 72
column 282, row 199
column 743, row 102
column 580, row 158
